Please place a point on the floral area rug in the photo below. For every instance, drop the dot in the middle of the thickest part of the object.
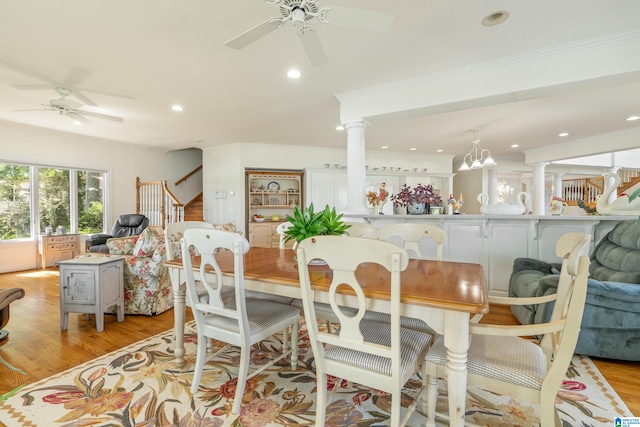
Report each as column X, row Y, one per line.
column 139, row 385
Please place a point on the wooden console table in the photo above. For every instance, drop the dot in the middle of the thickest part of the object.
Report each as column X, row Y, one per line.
column 58, row 247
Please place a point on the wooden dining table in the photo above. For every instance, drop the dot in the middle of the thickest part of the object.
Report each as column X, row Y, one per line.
column 444, row 294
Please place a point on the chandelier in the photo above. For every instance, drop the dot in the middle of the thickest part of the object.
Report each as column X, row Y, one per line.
column 478, row 157
column 504, row 190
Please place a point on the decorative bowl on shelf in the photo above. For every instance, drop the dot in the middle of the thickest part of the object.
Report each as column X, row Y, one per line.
column 258, row 218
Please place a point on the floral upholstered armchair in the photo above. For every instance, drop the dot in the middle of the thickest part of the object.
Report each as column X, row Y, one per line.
column 147, row 286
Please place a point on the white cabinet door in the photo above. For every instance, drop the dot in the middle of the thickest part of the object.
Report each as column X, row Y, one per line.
column 508, row 240
column 327, row 187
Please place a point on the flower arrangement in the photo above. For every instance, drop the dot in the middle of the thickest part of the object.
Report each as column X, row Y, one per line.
column 419, row 194
column 379, row 198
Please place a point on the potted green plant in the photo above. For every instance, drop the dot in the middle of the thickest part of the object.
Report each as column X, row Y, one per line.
column 417, row 199
column 310, row 223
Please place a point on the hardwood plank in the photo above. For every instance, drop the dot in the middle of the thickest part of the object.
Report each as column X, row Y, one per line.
column 38, row 346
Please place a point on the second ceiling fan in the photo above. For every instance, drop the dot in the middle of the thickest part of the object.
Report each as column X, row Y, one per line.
column 72, row 109
column 299, row 12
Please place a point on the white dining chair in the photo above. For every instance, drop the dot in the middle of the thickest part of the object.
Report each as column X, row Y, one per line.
column 379, row 355
column 362, row 229
column 503, row 359
column 280, row 230
column 242, row 323
column 173, row 234
column 411, row 236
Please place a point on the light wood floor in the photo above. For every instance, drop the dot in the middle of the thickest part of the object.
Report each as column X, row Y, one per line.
column 37, row 346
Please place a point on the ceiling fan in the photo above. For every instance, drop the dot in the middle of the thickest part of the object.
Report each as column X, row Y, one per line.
column 70, row 108
column 299, row 12
column 74, row 77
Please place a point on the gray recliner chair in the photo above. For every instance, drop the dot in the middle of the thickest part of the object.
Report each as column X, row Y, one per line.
column 7, row 296
column 125, row 226
column 611, row 321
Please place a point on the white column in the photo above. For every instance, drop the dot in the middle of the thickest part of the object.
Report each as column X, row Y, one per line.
column 610, row 182
column 539, row 201
column 356, row 174
column 492, row 185
column 557, row 184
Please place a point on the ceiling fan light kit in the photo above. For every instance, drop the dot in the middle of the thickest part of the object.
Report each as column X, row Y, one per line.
column 299, row 12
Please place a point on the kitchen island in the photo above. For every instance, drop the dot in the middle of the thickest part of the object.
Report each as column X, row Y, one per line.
column 495, row 241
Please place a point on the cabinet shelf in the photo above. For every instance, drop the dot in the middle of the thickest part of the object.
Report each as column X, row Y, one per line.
column 269, row 193
column 272, row 206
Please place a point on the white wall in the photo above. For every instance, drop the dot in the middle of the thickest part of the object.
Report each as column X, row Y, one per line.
column 469, row 184
column 224, row 170
column 122, row 162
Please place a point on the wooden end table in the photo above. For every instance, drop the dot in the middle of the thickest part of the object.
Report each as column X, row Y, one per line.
column 91, row 285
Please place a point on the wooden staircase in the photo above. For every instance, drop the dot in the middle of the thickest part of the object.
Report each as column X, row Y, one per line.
column 157, row 202
column 194, row 209
column 589, row 189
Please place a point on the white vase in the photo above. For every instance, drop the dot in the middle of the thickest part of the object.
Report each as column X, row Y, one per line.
column 400, row 210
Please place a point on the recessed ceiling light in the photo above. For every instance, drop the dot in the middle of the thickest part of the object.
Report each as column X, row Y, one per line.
column 632, row 118
column 413, row 148
column 384, row 146
column 495, row 18
column 563, row 134
column 439, row 150
column 177, row 107
column 339, row 127
column 77, row 123
column 514, row 146
column 294, row 74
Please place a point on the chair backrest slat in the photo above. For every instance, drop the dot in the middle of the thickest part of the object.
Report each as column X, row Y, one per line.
column 343, row 256
column 208, row 242
column 410, row 236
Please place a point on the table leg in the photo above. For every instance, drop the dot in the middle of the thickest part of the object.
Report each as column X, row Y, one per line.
column 456, row 340
column 99, row 319
column 179, row 309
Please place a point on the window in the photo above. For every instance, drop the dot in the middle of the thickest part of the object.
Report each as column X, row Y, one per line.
column 15, row 202
column 90, row 202
column 49, row 196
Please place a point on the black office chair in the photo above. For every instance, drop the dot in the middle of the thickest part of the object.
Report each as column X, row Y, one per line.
column 126, row 225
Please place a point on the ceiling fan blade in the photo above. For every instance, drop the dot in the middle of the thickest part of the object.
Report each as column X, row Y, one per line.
column 77, row 75
column 35, row 109
column 359, row 18
column 100, row 116
column 78, row 118
column 82, row 97
column 36, row 86
column 25, row 71
column 312, row 47
column 254, row 33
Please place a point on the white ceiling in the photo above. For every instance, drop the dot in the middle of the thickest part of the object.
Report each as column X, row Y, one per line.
column 134, row 59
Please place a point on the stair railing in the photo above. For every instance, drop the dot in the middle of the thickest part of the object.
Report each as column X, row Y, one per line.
column 156, row 202
column 574, row 189
column 189, row 175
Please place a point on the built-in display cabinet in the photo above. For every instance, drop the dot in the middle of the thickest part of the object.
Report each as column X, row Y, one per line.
column 272, row 195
